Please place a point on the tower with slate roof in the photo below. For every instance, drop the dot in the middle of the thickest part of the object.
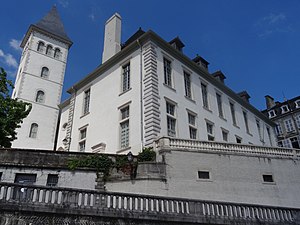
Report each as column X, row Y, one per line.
column 40, row 79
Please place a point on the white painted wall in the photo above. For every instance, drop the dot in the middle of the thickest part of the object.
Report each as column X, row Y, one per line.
column 29, row 81
column 106, row 98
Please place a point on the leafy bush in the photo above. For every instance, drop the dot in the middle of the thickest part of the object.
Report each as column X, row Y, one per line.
column 147, row 155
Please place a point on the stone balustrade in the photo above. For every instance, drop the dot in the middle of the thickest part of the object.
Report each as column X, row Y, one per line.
column 97, row 203
column 209, row 146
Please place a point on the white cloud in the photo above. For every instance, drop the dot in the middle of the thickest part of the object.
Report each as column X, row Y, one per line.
column 63, row 3
column 92, row 16
column 274, row 18
column 8, row 59
column 15, row 44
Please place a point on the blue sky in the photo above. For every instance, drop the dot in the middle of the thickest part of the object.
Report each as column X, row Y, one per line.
column 256, row 43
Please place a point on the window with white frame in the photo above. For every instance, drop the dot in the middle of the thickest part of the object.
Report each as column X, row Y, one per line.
column 192, row 125
column 271, row 114
column 269, row 135
column 124, row 127
column 167, row 72
column 187, row 84
column 259, row 129
column 225, row 135
column 57, row 53
column 289, row 125
column 278, row 129
column 284, row 109
column 33, row 130
column 126, row 77
column 86, row 101
column 49, row 50
column 82, row 139
column 41, row 46
column 220, row 106
column 171, row 119
column 210, row 131
column 297, row 118
column 297, row 103
column 40, row 97
column 245, row 115
column 45, row 72
column 204, row 95
column 232, row 110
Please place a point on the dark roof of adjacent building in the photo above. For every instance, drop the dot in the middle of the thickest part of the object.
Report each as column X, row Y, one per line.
column 50, row 24
column 134, row 37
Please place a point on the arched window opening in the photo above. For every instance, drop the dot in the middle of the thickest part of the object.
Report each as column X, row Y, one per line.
column 57, row 53
column 41, row 47
column 45, row 72
column 33, row 130
column 49, row 50
column 40, row 97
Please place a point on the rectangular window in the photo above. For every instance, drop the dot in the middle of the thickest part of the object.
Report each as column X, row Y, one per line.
column 210, row 131
column 82, row 139
column 203, row 175
column 86, row 101
column 192, row 126
column 0, row 176
column 124, row 127
column 245, row 115
column 268, row 178
column 259, row 129
column 298, row 119
column 204, row 95
column 25, row 178
column 289, row 125
column 52, row 180
column 278, row 129
column 232, row 110
column 225, row 135
column 126, row 77
column 220, row 107
column 167, row 72
column 238, row 139
column 171, row 120
column 269, row 135
column 187, row 85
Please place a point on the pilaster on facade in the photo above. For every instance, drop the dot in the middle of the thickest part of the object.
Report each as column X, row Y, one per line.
column 151, row 94
column 70, row 122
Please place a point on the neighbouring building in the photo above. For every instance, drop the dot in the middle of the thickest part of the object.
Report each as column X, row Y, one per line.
column 286, row 116
column 148, row 88
column 40, row 80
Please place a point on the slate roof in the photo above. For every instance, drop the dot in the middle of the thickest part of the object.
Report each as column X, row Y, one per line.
column 53, row 24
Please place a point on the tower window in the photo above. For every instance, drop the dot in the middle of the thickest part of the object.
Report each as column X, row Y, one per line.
column 49, row 50
column 57, row 53
column 41, row 47
column 33, row 130
column 40, row 97
column 45, row 72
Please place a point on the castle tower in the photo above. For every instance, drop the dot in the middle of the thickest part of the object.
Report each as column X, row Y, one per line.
column 40, row 79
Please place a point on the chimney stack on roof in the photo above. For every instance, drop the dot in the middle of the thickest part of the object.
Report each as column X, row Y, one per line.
column 219, row 76
column 112, row 37
column 244, row 95
column 269, row 101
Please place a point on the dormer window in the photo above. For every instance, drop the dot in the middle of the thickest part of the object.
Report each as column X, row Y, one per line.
column 284, row 109
column 272, row 114
column 297, row 103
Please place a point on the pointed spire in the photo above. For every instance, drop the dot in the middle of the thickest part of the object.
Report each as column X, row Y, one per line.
column 53, row 24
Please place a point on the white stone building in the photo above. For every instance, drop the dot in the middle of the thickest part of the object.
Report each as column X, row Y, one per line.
column 146, row 89
column 40, row 79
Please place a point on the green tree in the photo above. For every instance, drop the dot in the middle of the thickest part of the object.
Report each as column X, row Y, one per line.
column 12, row 111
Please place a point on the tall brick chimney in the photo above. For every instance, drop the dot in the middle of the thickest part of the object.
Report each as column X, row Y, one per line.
column 112, row 37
